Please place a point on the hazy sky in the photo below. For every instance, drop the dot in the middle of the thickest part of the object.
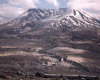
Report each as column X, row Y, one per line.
column 10, row 9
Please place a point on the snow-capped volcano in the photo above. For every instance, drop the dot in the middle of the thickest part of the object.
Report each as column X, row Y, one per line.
column 51, row 18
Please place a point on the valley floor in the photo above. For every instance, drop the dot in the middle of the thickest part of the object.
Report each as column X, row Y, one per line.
column 22, row 58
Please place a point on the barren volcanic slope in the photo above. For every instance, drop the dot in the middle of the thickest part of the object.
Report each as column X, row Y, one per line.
column 52, row 41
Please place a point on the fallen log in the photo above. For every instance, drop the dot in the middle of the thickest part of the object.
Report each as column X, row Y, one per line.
column 69, row 77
